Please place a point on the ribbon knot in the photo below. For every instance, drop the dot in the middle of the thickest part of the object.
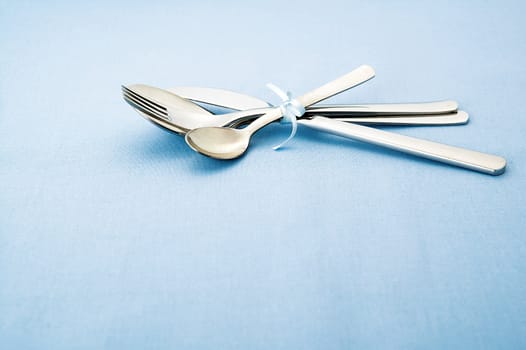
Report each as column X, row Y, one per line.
column 290, row 109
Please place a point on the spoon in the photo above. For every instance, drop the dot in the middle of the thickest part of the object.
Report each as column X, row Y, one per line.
column 227, row 143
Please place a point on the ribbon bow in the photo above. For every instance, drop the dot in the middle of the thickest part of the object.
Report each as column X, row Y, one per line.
column 290, row 108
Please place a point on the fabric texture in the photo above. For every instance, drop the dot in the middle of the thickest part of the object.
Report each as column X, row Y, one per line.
column 115, row 235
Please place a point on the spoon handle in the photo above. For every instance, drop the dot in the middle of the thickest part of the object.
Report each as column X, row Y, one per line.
column 461, row 157
column 349, row 80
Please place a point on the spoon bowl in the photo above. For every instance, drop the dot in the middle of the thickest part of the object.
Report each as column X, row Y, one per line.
column 217, row 142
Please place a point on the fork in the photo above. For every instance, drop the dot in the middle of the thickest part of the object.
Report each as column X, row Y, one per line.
column 155, row 110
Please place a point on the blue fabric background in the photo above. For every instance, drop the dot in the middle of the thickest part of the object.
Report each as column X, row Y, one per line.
column 114, row 235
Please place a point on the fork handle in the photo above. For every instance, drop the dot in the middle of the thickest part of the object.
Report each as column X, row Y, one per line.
column 461, row 157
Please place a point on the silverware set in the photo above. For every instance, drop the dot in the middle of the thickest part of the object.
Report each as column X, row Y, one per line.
column 186, row 111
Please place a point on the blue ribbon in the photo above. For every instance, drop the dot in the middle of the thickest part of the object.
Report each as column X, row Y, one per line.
column 290, row 109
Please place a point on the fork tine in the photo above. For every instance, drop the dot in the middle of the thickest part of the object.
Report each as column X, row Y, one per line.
column 133, row 92
column 137, row 100
column 145, row 100
column 136, row 103
column 143, row 108
column 156, row 119
column 146, row 112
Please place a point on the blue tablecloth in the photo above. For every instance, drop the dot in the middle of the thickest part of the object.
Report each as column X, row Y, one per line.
column 114, row 235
